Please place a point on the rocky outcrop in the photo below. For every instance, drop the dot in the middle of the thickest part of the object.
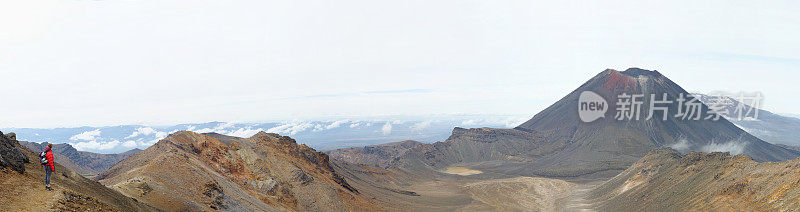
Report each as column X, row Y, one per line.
column 374, row 155
column 11, row 135
column 265, row 172
column 10, row 155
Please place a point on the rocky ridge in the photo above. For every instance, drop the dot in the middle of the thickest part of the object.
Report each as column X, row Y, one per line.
column 668, row 180
column 373, row 155
column 214, row 172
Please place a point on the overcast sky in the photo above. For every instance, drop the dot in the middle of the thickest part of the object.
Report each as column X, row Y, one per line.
column 112, row 62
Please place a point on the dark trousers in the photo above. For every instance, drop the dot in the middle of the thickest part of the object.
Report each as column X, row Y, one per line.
column 47, row 175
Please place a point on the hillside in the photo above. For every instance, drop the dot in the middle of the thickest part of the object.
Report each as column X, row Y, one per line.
column 770, row 127
column 795, row 148
column 265, row 172
column 374, row 155
column 667, row 180
column 556, row 143
column 23, row 188
column 84, row 163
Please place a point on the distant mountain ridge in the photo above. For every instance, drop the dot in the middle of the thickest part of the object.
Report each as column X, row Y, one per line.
column 321, row 135
column 768, row 126
column 375, row 155
column 84, row 163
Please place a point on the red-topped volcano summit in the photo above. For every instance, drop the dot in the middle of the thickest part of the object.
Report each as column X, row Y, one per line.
column 636, row 137
column 556, row 143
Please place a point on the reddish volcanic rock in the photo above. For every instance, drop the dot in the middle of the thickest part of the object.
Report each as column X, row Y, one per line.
column 265, row 172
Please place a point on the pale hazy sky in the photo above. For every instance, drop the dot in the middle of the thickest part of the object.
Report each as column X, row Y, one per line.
column 111, row 62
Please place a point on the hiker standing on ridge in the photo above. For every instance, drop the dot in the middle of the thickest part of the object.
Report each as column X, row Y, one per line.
column 49, row 168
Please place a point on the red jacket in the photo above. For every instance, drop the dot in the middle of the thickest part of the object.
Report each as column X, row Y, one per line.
column 49, row 156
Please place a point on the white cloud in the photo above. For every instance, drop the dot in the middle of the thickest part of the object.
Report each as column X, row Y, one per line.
column 509, row 122
column 398, row 122
column 95, row 145
column 681, row 146
column 336, row 124
column 355, row 124
column 420, row 126
column 158, row 136
column 129, row 144
column 318, row 127
column 734, row 147
column 470, row 122
column 291, row 128
column 86, row 136
column 220, row 128
column 386, row 129
column 514, row 122
column 149, row 142
column 145, row 131
column 205, row 130
column 161, row 134
column 245, row 132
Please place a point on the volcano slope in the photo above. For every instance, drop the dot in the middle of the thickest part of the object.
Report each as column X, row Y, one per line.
column 556, row 143
column 22, row 187
column 770, row 127
column 266, row 172
column 666, row 180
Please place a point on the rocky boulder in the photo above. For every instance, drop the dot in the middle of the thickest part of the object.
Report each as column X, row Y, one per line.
column 10, row 155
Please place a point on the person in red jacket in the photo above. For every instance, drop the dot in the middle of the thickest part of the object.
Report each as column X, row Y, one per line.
column 49, row 167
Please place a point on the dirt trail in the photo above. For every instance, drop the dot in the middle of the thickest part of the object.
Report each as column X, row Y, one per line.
column 24, row 194
column 578, row 200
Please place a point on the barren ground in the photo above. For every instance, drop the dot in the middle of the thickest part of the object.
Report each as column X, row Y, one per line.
column 463, row 171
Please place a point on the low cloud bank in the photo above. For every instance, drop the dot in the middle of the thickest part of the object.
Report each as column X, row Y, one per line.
column 386, row 129
column 681, row 146
column 86, row 136
column 734, row 147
